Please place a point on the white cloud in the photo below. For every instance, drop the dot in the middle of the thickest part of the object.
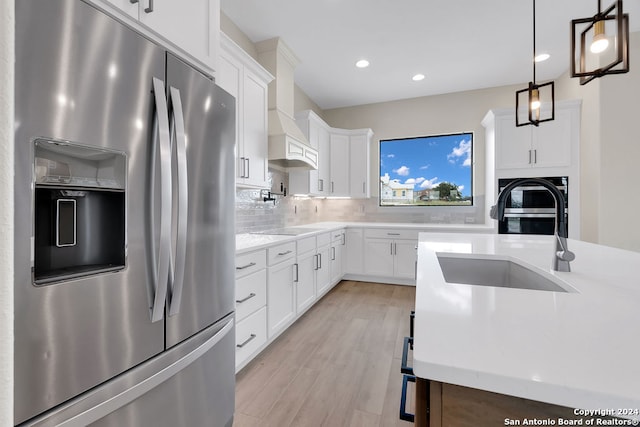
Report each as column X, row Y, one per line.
column 410, row 181
column 428, row 184
column 391, row 156
column 402, row 171
column 424, row 167
column 419, row 180
column 460, row 188
column 462, row 150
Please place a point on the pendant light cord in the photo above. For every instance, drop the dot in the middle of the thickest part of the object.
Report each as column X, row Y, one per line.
column 534, row 41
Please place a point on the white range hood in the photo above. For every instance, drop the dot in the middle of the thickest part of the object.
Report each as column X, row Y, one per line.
column 288, row 147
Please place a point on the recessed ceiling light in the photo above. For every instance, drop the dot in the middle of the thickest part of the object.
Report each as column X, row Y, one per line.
column 542, row 57
column 417, row 77
column 363, row 63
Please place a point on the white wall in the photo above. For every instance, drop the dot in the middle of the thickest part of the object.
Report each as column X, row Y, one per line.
column 610, row 154
column 7, row 19
column 620, row 155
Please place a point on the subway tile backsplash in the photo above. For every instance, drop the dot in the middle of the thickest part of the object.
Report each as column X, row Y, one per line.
column 254, row 214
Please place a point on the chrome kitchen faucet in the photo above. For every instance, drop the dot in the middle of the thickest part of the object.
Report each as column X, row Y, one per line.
column 563, row 256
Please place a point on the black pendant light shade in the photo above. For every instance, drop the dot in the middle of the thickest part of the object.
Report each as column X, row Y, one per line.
column 600, row 44
column 540, row 102
column 538, row 98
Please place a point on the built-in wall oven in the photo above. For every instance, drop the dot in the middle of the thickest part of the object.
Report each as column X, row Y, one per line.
column 530, row 209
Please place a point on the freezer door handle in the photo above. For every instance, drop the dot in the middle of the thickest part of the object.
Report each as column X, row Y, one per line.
column 179, row 149
column 160, row 258
column 141, row 386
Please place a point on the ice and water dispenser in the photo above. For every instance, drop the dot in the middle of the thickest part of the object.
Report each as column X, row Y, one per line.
column 80, row 198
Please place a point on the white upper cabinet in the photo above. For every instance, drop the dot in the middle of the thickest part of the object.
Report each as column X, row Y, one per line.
column 343, row 160
column 191, row 25
column 359, row 163
column 244, row 78
column 339, row 155
column 551, row 145
column 313, row 182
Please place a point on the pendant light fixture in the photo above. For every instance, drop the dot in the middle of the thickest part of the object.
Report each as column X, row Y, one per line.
column 535, row 95
column 600, row 44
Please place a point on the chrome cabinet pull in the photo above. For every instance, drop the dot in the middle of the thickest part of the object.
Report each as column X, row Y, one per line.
column 149, row 8
column 333, row 253
column 297, row 279
column 251, row 264
column 316, row 262
column 248, row 167
column 247, row 298
column 284, row 253
column 133, row 1
column 393, row 234
column 247, row 341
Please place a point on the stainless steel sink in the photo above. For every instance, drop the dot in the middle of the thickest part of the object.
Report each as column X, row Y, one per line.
column 503, row 273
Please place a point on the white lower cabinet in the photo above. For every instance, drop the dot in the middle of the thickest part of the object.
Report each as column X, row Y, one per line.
column 251, row 310
column 323, row 271
column 305, row 278
column 251, row 335
column 390, row 253
column 338, row 241
column 354, row 251
column 281, row 303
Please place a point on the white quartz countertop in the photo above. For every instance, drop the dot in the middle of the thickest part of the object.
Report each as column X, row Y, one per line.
column 247, row 242
column 578, row 349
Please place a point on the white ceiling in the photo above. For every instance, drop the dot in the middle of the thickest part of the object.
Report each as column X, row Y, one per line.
column 458, row 44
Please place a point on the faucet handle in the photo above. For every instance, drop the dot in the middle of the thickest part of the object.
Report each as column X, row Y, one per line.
column 493, row 212
column 566, row 255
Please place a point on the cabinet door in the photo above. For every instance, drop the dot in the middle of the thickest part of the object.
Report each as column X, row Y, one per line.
column 254, row 122
column 379, row 257
column 405, row 258
column 513, row 144
column 337, row 265
column 339, row 165
column 184, row 23
column 280, row 297
column 354, row 251
column 552, row 141
column 324, row 161
column 229, row 78
column 323, row 273
column 306, row 281
column 359, row 166
column 314, row 183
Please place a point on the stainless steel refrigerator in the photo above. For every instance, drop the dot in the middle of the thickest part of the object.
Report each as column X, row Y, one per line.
column 124, row 241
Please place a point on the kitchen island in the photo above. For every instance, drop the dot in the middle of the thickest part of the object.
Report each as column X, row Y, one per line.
column 524, row 352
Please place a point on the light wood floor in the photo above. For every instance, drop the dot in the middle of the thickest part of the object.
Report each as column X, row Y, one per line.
column 338, row 365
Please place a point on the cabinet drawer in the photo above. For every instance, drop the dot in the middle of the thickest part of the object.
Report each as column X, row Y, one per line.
column 251, row 334
column 390, row 233
column 251, row 293
column 338, row 236
column 281, row 253
column 324, row 239
column 250, row 263
column 306, row 244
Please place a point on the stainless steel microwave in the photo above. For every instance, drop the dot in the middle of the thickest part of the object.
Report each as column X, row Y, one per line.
column 530, row 209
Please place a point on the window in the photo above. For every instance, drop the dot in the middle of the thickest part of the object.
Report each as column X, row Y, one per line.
column 427, row 171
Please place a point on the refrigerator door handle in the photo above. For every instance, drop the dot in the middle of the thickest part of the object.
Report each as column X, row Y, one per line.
column 160, row 260
column 180, row 146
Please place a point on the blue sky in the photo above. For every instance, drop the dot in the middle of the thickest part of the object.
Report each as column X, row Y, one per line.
column 428, row 161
